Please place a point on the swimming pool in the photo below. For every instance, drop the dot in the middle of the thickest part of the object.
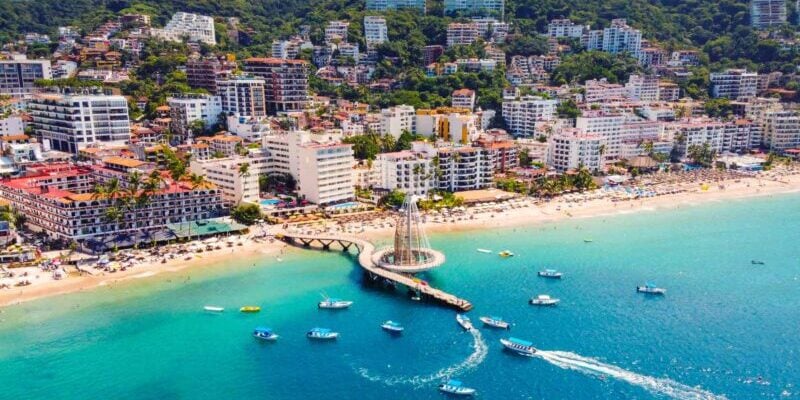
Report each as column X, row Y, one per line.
column 269, row 202
column 349, row 204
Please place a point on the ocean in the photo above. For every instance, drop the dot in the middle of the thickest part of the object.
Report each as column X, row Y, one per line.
column 725, row 329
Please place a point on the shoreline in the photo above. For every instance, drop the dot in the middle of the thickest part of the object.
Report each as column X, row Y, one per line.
column 526, row 214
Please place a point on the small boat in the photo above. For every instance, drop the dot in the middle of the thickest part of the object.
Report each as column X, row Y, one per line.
column 519, row 346
column 464, row 321
column 506, row 253
column 550, row 273
column 264, row 334
column 334, row 303
column 495, row 322
column 214, row 309
column 322, row 333
column 588, row 240
column 392, row 326
column 484, row 251
column 651, row 288
column 543, row 300
column 756, row 262
column 250, row 309
column 455, row 387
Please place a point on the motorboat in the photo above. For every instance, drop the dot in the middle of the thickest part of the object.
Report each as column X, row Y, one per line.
column 543, row 300
column 322, row 334
column 392, row 326
column 336, row 304
column 484, row 251
column 250, row 309
column 519, row 346
column 651, row 288
column 264, row 334
column 505, row 253
column 756, row 262
column 588, row 240
column 214, row 309
column 464, row 321
column 455, row 387
column 550, row 273
column 495, row 322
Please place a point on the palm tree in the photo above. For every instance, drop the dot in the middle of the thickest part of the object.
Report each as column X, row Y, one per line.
column 244, row 173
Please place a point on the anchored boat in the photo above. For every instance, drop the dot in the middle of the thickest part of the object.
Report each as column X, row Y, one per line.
column 464, row 321
column 264, row 334
column 484, row 251
column 495, row 322
column 550, row 273
column 214, row 309
column 519, row 346
column 651, row 288
column 505, row 254
column 322, row 334
column 453, row 386
column 335, row 304
column 393, row 327
column 250, row 309
column 543, row 300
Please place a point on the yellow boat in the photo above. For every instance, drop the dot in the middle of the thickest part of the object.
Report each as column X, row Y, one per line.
column 250, row 309
column 506, row 253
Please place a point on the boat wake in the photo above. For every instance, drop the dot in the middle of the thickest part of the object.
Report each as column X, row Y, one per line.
column 594, row 367
column 479, row 351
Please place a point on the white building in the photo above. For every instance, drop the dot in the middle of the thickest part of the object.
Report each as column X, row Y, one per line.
column 408, row 171
column 226, row 173
column 11, row 125
column 463, row 98
column 336, row 32
column 375, row 31
column 522, row 114
column 486, row 8
column 196, row 28
column 242, row 96
column 734, row 84
column 462, row 33
column 643, row 87
column 781, row 130
column 69, row 123
column 187, row 108
column 601, row 91
column 698, row 132
column 395, row 120
column 18, row 75
column 767, row 13
column 607, row 126
column 559, row 28
column 617, row 38
column 571, row 148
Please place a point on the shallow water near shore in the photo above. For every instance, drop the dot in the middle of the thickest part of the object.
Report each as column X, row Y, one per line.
column 726, row 328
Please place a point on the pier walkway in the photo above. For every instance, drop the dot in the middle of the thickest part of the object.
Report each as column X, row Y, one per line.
column 365, row 259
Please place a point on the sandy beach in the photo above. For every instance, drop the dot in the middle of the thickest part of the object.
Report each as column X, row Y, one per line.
column 518, row 212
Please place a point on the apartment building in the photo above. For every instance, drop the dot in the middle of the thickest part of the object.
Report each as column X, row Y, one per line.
column 571, row 148
column 734, row 84
column 617, row 38
column 741, row 135
column 395, row 120
column 286, row 82
column 459, row 33
column 69, row 123
column 463, row 98
column 643, row 87
column 243, row 95
column 456, row 125
column 469, row 8
column 607, row 126
column 58, row 199
column 411, row 172
column 565, row 28
column 204, row 73
column 11, row 125
column 781, row 130
column 601, row 90
column 336, row 32
column 767, row 13
column 195, row 27
column 226, row 174
column 18, row 75
column 184, row 109
column 375, row 30
column 383, row 5
column 464, row 168
column 697, row 132
column 522, row 114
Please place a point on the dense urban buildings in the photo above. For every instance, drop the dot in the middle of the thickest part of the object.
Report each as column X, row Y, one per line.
column 199, row 28
column 17, row 76
column 286, row 82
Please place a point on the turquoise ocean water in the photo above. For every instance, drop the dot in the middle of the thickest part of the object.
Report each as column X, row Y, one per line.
column 725, row 328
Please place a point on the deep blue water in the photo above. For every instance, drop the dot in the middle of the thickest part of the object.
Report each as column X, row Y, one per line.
column 725, row 328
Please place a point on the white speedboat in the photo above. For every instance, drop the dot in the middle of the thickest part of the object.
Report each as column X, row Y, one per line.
column 322, row 334
column 455, row 387
column 651, row 288
column 495, row 322
column 484, row 251
column 543, row 300
column 519, row 346
column 214, row 309
column 464, row 321
column 264, row 334
column 550, row 273
column 392, row 326
column 336, row 304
